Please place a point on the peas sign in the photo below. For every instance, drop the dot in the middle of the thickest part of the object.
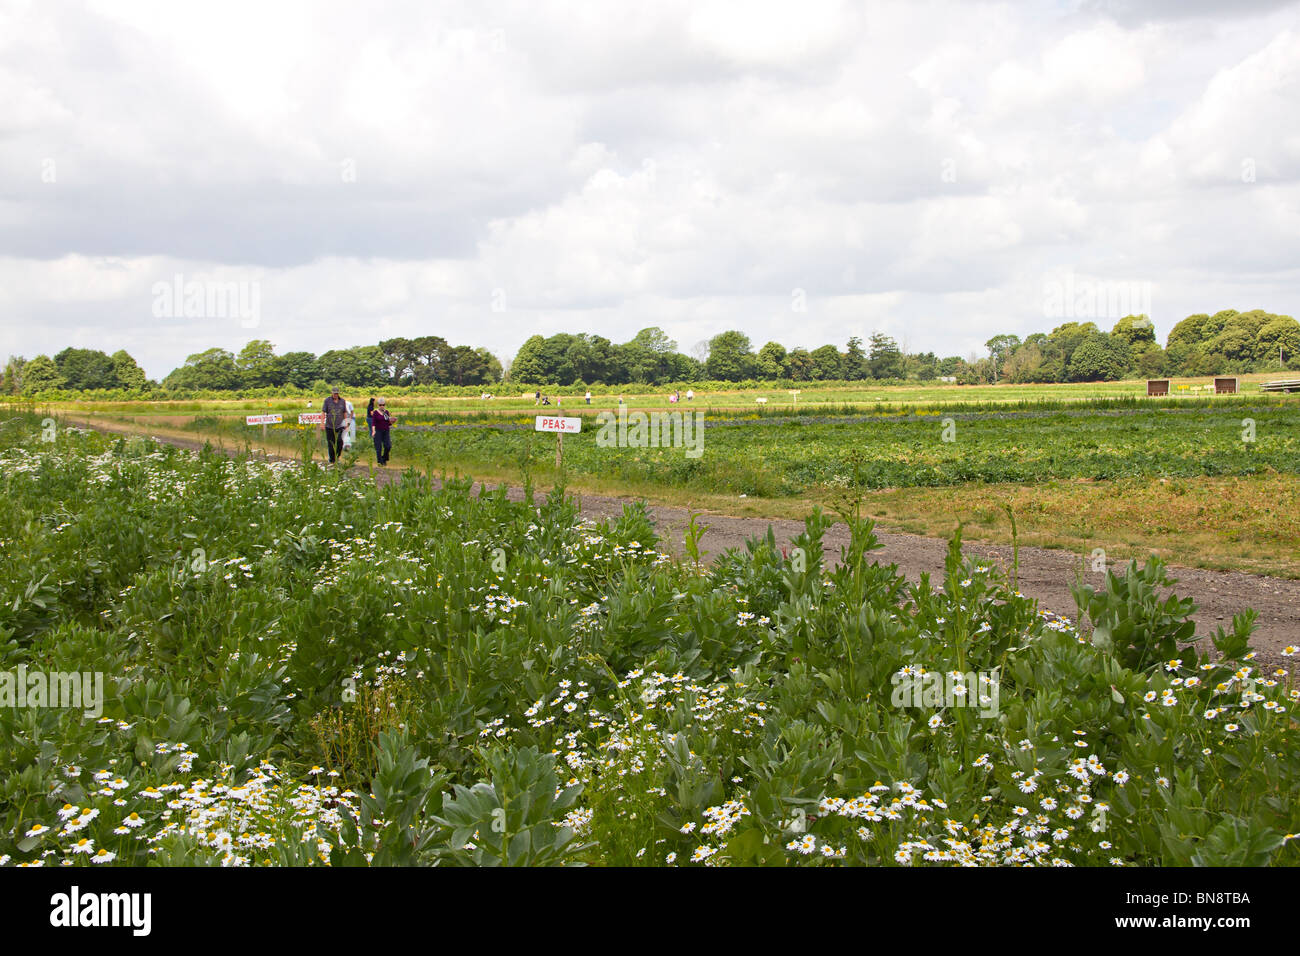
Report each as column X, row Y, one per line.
column 559, row 425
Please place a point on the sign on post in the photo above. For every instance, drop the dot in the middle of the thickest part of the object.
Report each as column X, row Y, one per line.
column 262, row 420
column 311, row 418
column 550, row 423
column 559, row 425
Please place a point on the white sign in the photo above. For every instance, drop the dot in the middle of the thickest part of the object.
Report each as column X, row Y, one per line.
column 546, row 423
column 311, row 418
column 262, row 420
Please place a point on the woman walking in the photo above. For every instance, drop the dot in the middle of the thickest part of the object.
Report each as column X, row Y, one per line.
column 381, row 424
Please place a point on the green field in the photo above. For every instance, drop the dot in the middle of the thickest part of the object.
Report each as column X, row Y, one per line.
column 301, row 667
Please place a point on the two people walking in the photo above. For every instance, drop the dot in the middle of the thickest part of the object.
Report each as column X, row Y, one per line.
column 340, row 426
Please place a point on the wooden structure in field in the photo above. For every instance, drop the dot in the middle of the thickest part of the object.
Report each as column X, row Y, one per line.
column 1157, row 386
column 1226, row 385
column 1286, row 385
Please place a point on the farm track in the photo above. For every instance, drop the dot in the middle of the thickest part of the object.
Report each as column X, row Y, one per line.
column 1044, row 574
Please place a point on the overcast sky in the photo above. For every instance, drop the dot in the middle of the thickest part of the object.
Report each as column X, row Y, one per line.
column 803, row 171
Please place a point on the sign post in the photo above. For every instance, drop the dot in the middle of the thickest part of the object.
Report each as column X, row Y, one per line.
column 794, row 397
column 559, row 425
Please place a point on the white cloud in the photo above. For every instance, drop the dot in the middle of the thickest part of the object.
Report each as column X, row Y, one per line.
column 914, row 168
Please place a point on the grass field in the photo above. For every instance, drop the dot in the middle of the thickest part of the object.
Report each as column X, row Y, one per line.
column 1081, row 466
column 304, row 668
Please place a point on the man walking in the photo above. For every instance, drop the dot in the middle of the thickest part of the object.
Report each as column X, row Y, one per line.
column 336, row 422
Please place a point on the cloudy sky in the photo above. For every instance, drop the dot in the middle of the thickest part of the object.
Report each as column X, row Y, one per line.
column 803, row 171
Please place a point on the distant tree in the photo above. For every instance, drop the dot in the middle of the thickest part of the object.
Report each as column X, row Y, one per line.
column 827, row 363
column 856, row 364
column 1151, row 362
column 465, row 366
column 400, row 360
column 885, row 358
column 948, row 366
column 1189, row 332
column 40, row 374
column 428, row 355
column 1099, row 358
column 527, row 365
column 361, row 366
column 257, row 365
column 300, row 369
column 1278, row 340
column 771, row 361
column 491, row 364
column 13, row 375
column 1023, row 363
column 81, row 369
column 730, row 358
column 211, row 369
column 1135, row 330
column 1000, row 348
column 127, row 372
column 800, row 365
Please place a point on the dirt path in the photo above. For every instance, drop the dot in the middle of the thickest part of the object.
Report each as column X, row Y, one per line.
column 1044, row 574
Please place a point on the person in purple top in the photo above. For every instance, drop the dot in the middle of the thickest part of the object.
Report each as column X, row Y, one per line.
column 381, row 424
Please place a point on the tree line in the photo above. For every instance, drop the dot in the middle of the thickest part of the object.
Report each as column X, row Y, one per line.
column 1223, row 343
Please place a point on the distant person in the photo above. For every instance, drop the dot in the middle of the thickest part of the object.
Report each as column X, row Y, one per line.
column 546, row 400
column 381, row 424
column 690, row 395
column 537, row 398
column 620, row 399
column 370, row 410
column 588, row 396
column 350, row 433
column 335, row 424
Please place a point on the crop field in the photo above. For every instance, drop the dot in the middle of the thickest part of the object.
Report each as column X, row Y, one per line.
column 297, row 667
column 1204, row 481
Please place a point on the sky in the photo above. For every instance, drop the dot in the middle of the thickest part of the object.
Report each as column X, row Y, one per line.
column 181, row 176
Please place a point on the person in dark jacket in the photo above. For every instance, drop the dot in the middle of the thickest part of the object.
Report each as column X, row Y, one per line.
column 336, row 422
column 370, row 410
column 380, row 425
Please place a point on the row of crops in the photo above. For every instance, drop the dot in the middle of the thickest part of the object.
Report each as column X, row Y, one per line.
column 300, row 668
column 791, row 456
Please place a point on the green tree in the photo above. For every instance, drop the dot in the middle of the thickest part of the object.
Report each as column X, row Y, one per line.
column 361, row 366
column 886, row 361
column 81, row 369
column 429, row 355
column 856, row 364
column 1000, row 348
column 1135, row 330
column 827, row 363
column 1278, row 340
column 800, row 365
column 257, row 364
column 300, row 369
column 527, row 367
column 771, row 361
column 400, row 360
column 1099, row 358
column 13, row 375
column 730, row 358
column 127, row 372
column 211, row 369
column 40, row 374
